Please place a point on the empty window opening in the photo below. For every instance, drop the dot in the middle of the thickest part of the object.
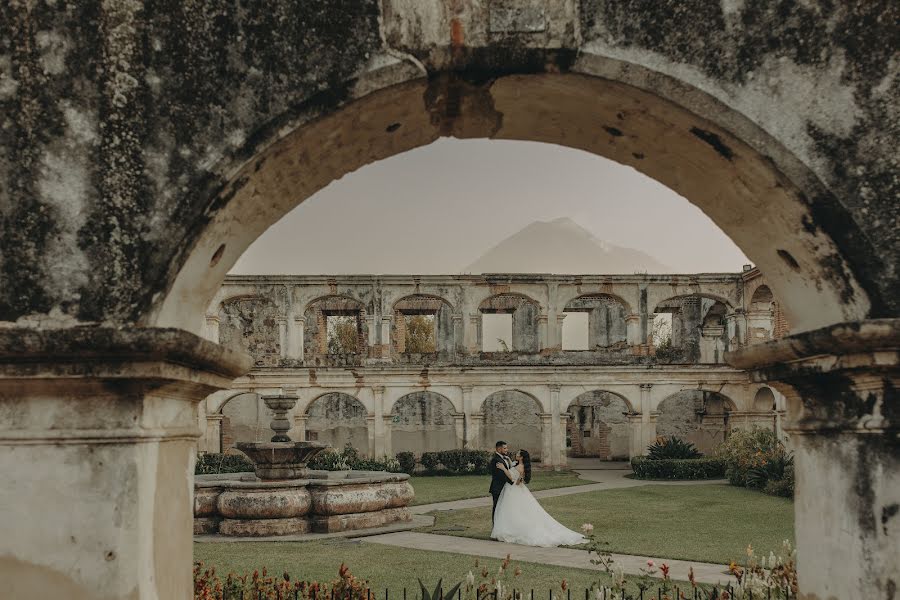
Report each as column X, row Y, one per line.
column 662, row 329
column 575, row 331
column 343, row 334
column 420, row 333
column 496, row 332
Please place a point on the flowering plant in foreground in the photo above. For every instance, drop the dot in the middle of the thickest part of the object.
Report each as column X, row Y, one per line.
column 208, row 585
column 773, row 577
column 499, row 585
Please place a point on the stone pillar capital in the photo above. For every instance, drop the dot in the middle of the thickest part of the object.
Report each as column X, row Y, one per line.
column 213, row 319
column 560, row 317
column 554, row 387
column 456, row 317
column 467, row 388
column 542, row 318
column 646, row 386
column 378, row 390
column 632, row 318
column 214, row 417
column 300, row 320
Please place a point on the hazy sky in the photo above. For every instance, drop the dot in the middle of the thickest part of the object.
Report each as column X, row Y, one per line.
column 438, row 208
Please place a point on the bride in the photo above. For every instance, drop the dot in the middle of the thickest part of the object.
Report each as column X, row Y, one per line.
column 520, row 519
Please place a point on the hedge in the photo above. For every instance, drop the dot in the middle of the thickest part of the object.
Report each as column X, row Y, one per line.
column 678, row 468
column 456, row 462
column 212, row 463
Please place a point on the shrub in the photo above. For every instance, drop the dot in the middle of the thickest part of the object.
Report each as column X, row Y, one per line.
column 349, row 459
column 214, row 463
column 746, row 449
column 645, row 467
column 456, row 462
column 407, row 462
column 673, row 447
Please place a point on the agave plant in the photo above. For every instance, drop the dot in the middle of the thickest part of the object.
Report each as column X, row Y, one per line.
column 438, row 593
column 673, row 447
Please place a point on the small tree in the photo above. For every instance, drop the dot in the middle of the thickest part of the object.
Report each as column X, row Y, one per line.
column 420, row 334
column 343, row 335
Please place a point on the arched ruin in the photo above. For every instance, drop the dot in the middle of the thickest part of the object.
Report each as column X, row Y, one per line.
column 139, row 163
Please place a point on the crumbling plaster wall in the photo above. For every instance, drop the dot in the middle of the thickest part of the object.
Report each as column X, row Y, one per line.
column 123, row 124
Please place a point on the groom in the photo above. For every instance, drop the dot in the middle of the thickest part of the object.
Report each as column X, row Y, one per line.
column 498, row 477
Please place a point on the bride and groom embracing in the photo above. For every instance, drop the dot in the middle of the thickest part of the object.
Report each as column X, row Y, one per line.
column 517, row 516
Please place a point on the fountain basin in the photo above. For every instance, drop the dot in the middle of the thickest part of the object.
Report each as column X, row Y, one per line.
column 280, row 460
column 243, row 505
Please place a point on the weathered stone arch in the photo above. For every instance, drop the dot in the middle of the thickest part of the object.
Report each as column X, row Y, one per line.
column 245, row 418
column 316, row 313
column 336, row 418
column 525, row 312
column 423, row 422
column 699, row 328
column 762, row 298
column 606, row 318
column 599, row 425
column 696, row 416
column 512, row 415
column 424, row 304
column 764, row 399
column 141, row 159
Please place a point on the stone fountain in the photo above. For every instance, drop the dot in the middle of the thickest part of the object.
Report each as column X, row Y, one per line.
column 281, row 458
column 284, row 497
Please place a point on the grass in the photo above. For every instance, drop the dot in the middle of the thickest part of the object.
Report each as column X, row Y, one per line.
column 384, row 566
column 444, row 489
column 708, row 523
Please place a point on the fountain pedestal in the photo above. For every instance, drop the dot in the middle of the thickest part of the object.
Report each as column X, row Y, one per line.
column 280, row 458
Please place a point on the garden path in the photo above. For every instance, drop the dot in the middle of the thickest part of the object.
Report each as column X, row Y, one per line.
column 563, row 557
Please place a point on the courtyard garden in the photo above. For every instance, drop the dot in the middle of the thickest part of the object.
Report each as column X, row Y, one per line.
column 705, row 522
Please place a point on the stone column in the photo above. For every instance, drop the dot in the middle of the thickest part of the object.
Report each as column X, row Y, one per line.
column 543, row 332
column 468, row 410
column 459, row 422
column 459, row 334
column 554, row 425
column 385, row 349
column 476, row 344
column 284, row 336
column 547, row 457
column 648, row 423
column 650, row 318
column 387, row 435
column 370, row 429
column 473, row 430
column 378, row 448
column 556, row 334
column 636, row 432
column 562, row 458
column 736, row 325
column 213, row 441
column 298, row 433
column 844, row 422
column 97, row 447
column 295, row 348
column 633, row 330
column 212, row 328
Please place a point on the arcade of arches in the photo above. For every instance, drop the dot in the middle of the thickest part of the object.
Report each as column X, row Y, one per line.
column 144, row 147
column 608, row 401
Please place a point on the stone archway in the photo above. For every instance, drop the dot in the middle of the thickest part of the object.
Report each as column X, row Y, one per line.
column 139, row 163
column 423, row 422
column 695, row 416
column 338, row 419
column 513, row 416
column 599, row 426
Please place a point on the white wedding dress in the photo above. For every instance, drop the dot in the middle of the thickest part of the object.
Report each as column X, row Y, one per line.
column 521, row 520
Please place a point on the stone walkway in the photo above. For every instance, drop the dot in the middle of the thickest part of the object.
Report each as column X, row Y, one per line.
column 562, row 557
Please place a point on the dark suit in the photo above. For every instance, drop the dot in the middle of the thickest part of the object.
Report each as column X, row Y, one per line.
column 498, row 479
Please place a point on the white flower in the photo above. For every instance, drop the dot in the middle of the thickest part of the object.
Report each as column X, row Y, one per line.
column 587, row 528
column 470, row 579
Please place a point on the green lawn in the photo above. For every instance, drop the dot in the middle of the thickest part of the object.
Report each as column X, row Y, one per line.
column 384, row 566
column 444, row 489
column 709, row 523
